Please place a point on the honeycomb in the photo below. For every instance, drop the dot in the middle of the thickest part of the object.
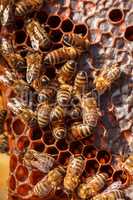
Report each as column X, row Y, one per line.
column 109, row 28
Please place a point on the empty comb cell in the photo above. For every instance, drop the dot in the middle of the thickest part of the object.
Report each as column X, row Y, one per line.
column 54, row 21
column 67, row 25
column 116, row 16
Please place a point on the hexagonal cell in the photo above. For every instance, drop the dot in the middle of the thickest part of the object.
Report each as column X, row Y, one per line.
column 54, row 21
column 56, row 35
column 41, row 16
column 23, row 189
column 89, row 152
column 35, row 133
column 123, row 57
column 23, row 142
column 104, row 26
column 76, row 147
column 63, row 157
column 107, row 169
column 120, row 175
column 116, row 16
column 129, row 33
column 103, row 157
column 94, row 36
column 81, row 29
column 19, row 23
column 91, row 167
column 119, row 43
column 38, row 146
column 48, row 138
column 35, row 176
column 106, row 40
column 52, row 150
column 12, row 183
column 21, row 173
column 20, row 37
column 67, row 25
column 18, row 126
column 62, row 145
column 13, row 162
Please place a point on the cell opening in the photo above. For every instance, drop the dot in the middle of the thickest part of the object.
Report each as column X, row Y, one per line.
column 13, row 163
column 120, row 175
column 91, row 167
column 12, row 183
column 64, row 158
column 19, row 23
column 116, row 15
column 81, row 29
column 36, row 134
column 76, row 147
column 129, row 33
column 48, row 138
column 89, row 152
column 22, row 143
column 23, row 189
column 18, row 127
column 67, row 25
column 54, row 21
column 56, row 35
column 38, row 146
column 41, row 16
column 103, row 157
column 20, row 37
column 35, row 177
column 62, row 145
column 107, row 169
column 52, row 150
column 21, row 173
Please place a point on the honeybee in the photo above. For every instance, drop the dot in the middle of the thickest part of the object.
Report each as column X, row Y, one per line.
column 113, row 195
column 64, row 94
column 33, row 66
column 80, row 82
column 5, row 12
column 22, row 7
column 76, row 40
column 67, row 72
column 42, row 161
column 62, row 55
column 59, row 131
column 91, row 111
column 92, row 186
column 6, row 46
column 4, row 147
column 43, row 114
column 57, row 113
column 18, row 108
column 105, row 77
column 38, row 36
column 76, row 112
column 74, row 171
column 49, row 183
column 3, row 115
column 46, row 94
column 79, row 131
column 128, row 164
column 40, row 83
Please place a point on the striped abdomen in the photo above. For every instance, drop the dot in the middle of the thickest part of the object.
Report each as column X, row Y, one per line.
column 43, row 115
column 3, row 114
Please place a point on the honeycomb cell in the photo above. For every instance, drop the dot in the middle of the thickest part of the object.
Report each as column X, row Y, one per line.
column 94, row 36
column 81, row 29
column 123, row 57
column 20, row 37
column 56, row 35
column 106, row 40
column 116, row 16
column 107, row 169
column 23, row 189
column 13, row 162
column 104, row 26
column 91, row 167
column 52, row 150
column 38, row 146
column 76, row 147
column 18, row 127
column 23, row 142
column 48, row 138
column 35, row 177
column 119, row 43
column 67, row 25
column 129, row 33
column 63, row 157
column 61, row 145
column 35, row 133
column 19, row 23
column 54, row 21
column 12, row 183
column 103, row 157
column 41, row 16
column 21, row 173
column 120, row 175
column 89, row 152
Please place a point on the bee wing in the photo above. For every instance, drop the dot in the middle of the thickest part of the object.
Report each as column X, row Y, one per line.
column 114, row 186
column 34, row 43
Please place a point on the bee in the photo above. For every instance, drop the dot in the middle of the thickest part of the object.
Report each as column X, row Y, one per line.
column 49, row 183
column 128, row 164
column 40, row 83
column 57, row 113
column 76, row 40
column 18, row 108
column 42, row 161
column 73, row 173
column 79, row 131
column 33, row 66
column 59, row 131
column 3, row 115
column 113, row 195
column 38, row 36
column 76, row 112
column 6, row 46
column 4, row 147
column 43, row 114
column 62, row 55
column 80, row 82
column 64, row 95
column 104, row 78
column 46, row 94
column 67, row 72
column 22, row 7
column 5, row 12
column 91, row 111
column 92, row 186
